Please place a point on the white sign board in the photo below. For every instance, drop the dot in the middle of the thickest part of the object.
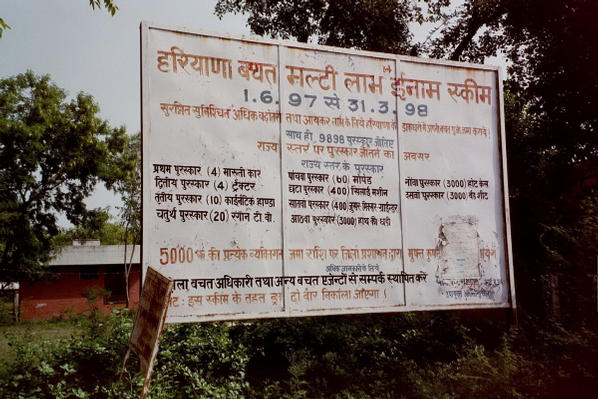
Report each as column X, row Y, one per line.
column 283, row 179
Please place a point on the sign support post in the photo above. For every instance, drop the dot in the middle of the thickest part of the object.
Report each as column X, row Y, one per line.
column 149, row 323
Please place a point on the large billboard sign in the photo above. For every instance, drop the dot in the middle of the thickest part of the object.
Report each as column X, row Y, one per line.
column 285, row 179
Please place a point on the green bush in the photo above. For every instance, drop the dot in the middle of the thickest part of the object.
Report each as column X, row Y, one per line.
column 70, row 367
column 6, row 307
column 410, row 355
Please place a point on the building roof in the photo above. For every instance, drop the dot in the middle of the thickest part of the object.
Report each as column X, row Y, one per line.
column 9, row 286
column 76, row 255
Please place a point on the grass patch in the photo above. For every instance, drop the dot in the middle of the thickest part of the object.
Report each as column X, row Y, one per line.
column 45, row 332
column 6, row 307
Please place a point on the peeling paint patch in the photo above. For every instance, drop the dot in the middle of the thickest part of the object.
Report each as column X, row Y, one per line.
column 466, row 264
column 458, row 242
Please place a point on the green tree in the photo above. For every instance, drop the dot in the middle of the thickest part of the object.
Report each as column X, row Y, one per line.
column 128, row 187
column 552, row 139
column 3, row 26
column 378, row 25
column 96, row 227
column 109, row 5
column 52, row 154
column 126, row 171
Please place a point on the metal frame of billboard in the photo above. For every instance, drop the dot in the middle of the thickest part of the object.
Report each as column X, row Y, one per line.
column 301, row 54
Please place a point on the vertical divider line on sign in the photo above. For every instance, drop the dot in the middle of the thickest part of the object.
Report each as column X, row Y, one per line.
column 401, row 207
column 280, row 138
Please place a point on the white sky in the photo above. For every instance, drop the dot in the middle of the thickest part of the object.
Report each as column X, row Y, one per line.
column 91, row 51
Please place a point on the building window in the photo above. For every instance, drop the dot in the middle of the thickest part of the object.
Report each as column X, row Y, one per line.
column 89, row 272
column 114, row 281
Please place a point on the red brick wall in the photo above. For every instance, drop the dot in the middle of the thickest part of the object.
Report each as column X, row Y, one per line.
column 47, row 299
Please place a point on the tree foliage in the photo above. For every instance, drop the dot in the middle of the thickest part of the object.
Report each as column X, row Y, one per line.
column 365, row 24
column 52, row 154
column 109, row 5
column 97, row 226
column 551, row 139
column 3, row 26
column 129, row 188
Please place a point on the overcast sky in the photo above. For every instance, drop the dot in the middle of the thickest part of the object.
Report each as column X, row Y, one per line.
column 89, row 50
